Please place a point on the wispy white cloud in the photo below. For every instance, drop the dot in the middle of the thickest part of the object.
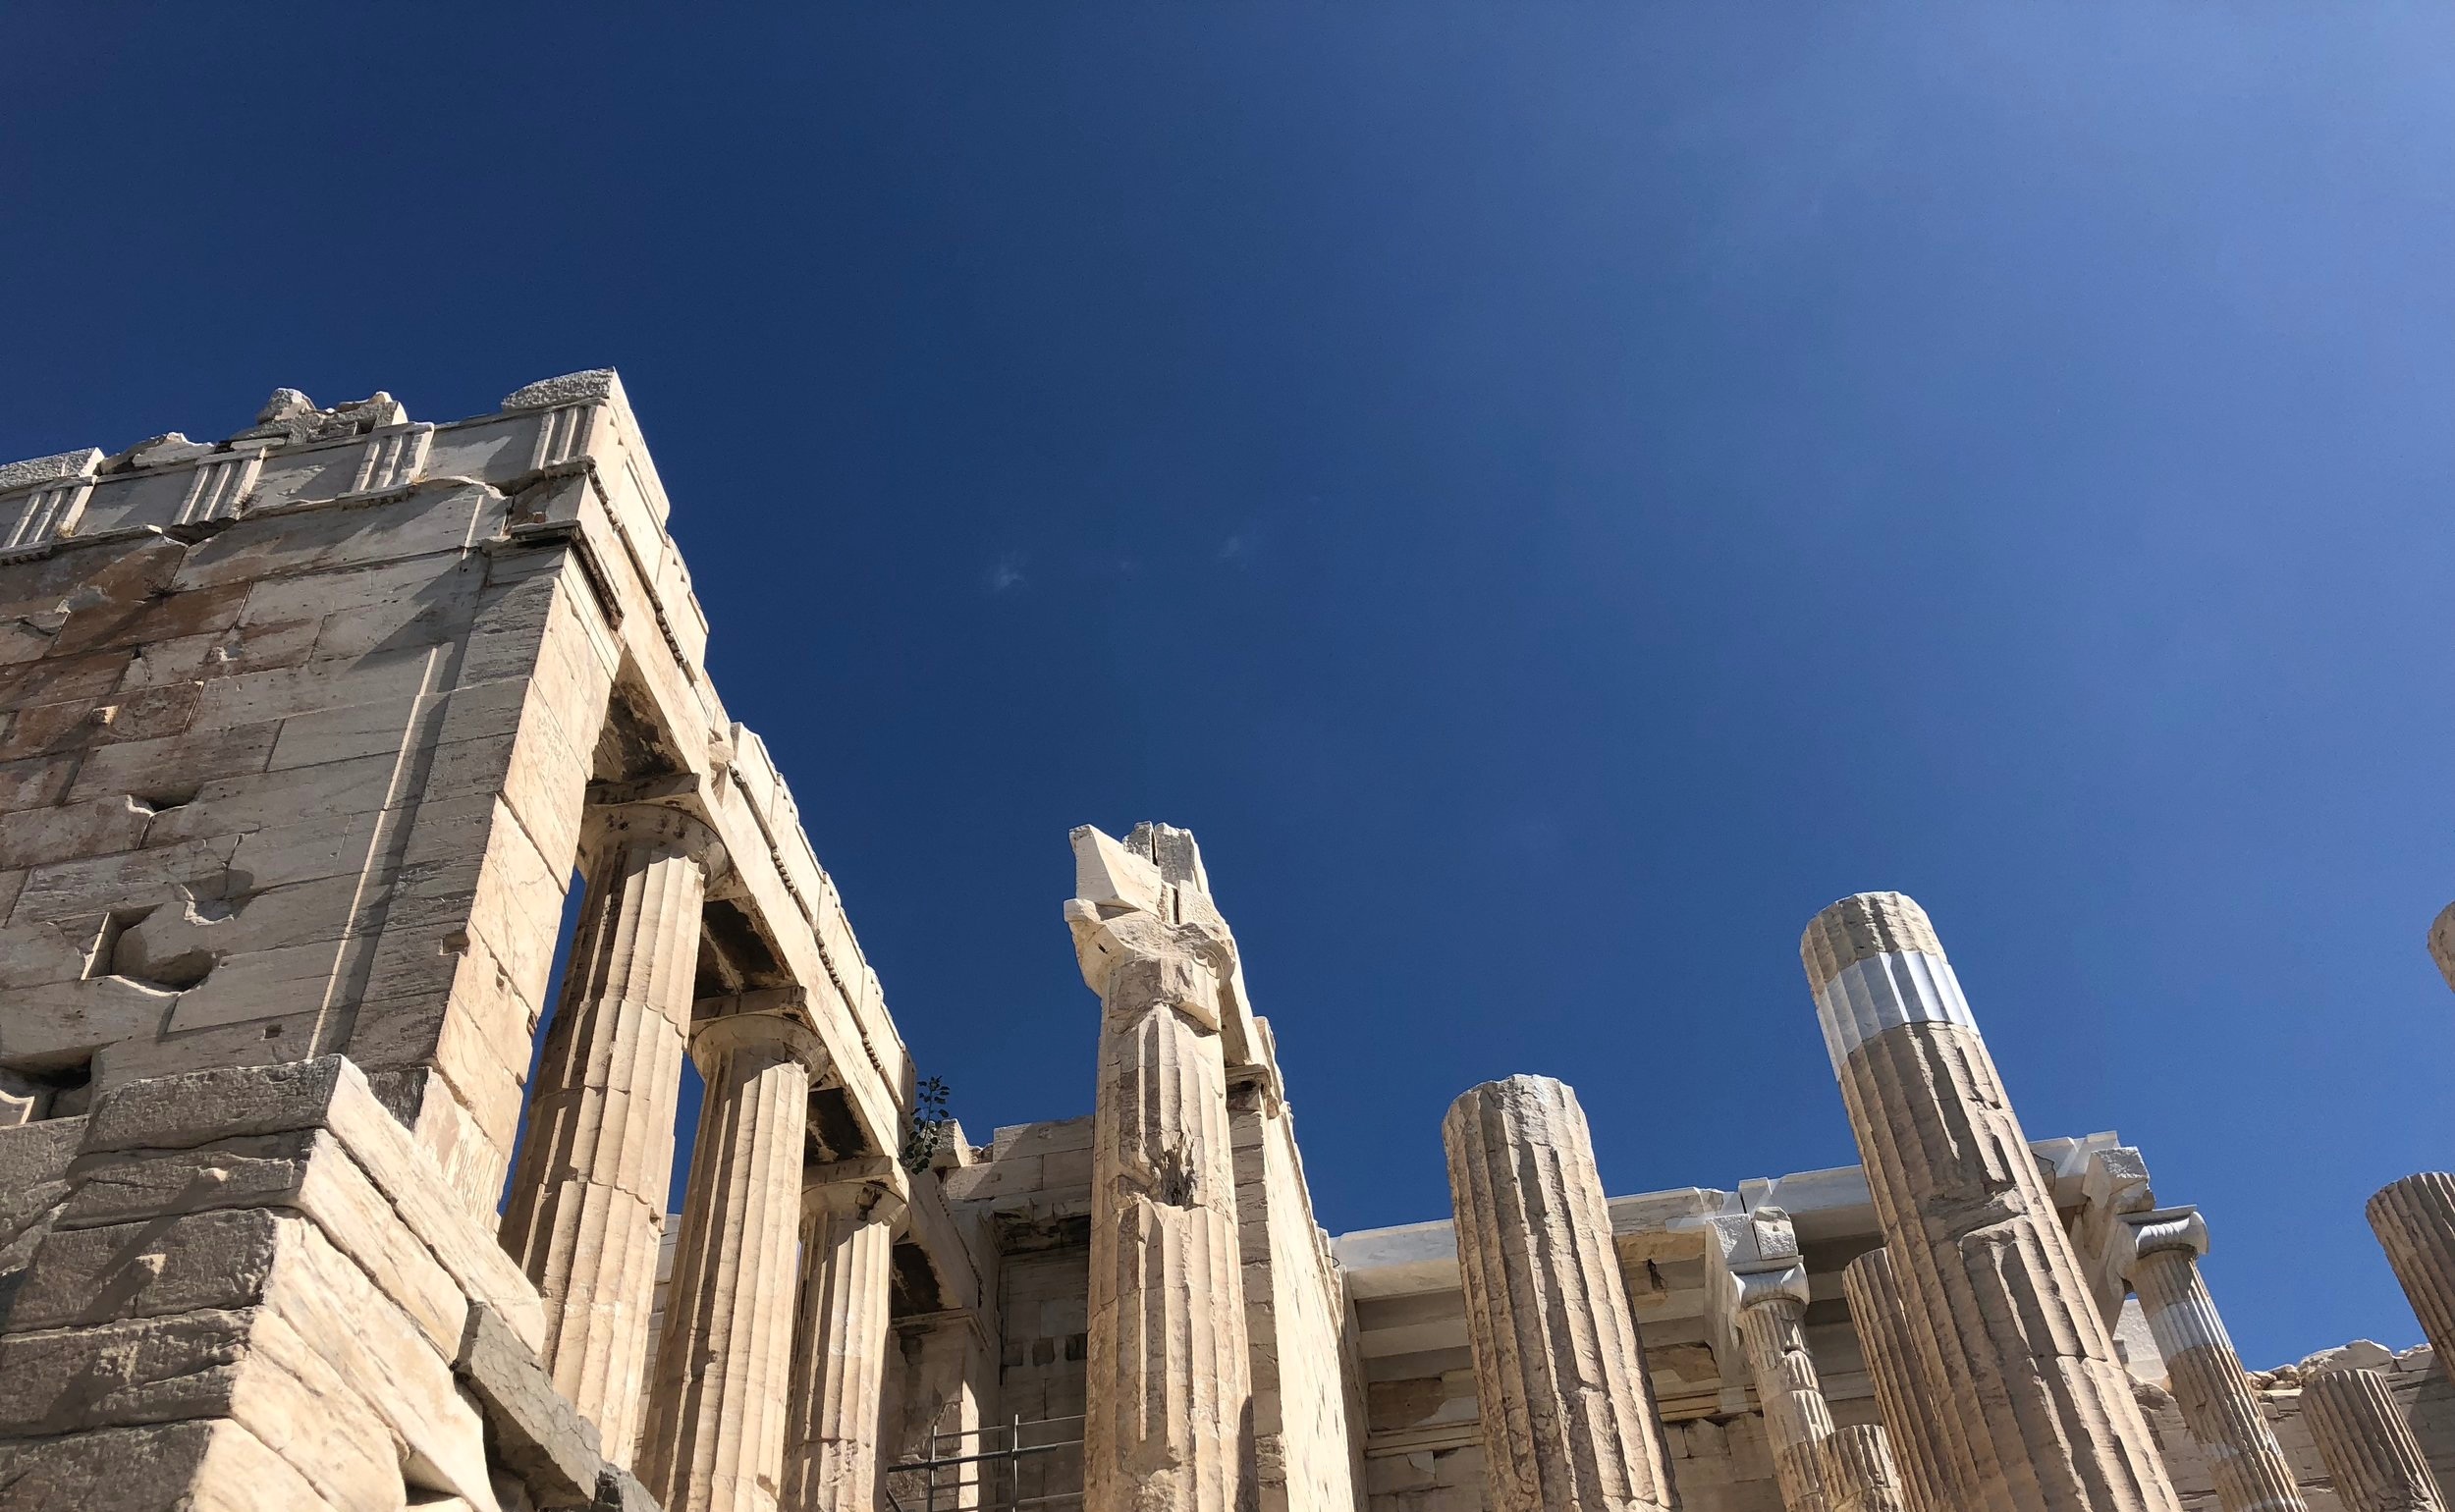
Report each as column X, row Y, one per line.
column 1007, row 573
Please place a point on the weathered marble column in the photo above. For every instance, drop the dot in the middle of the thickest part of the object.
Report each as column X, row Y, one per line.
column 715, row 1439
column 2028, row 1365
column 1569, row 1416
column 2414, row 1222
column 586, row 1208
column 849, row 1217
column 1857, row 1471
column 2158, row 1254
column 1904, row 1376
column 2372, row 1455
column 1755, row 1261
column 1168, row 1385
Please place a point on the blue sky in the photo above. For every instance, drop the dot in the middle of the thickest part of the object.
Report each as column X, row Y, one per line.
column 1552, row 496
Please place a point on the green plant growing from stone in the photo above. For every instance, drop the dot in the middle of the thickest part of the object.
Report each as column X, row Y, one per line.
column 932, row 1129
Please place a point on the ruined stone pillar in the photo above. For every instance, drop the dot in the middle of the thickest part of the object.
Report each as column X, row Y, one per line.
column 840, row 1340
column 1569, row 1417
column 1904, row 1377
column 586, row 1208
column 2158, row 1253
column 715, row 1438
column 2372, row 1455
column 1859, row 1475
column 2414, row 1222
column 1167, row 1381
column 2028, row 1367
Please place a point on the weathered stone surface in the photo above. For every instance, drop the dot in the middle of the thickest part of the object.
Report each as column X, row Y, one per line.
column 587, row 1202
column 1568, row 1418
column 1857, row 1470
column 2028, row 1367
column 1168, row 1389
column 840, row 1337
column 2414, row 1222
column 2372, row 1454
column 715, row 1431
column 215, row 1466
column 2158, row 1254
column 234, row 1118
column 1903, row 1374
column 531, row 1429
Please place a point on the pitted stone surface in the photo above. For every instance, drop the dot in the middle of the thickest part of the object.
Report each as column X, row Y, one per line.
column 2372, row 1454
column 1861, row 926
column 2028, row 1368
column 46, row 470
column 1568, row 1420
column 2414, row 1222
column 1168, row 1387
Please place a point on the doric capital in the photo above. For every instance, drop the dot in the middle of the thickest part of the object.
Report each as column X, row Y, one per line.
column 2139, row 1235
column 782, row 1036
column 873, row 1187
column 654, row 823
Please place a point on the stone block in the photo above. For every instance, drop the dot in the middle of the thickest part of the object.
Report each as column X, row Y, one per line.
column 618, row 1490
column 246, row 1365
column 67, row 1022
column 211, row 1466
column 306, row 1171
column 208, row 1107
column 532, row 1430
column 34, row 781
column 155, row 769
column 31, row 837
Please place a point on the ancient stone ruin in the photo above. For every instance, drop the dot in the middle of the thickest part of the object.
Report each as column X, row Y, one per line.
column 320, row 738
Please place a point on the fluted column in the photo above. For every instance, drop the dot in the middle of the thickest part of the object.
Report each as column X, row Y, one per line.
column 2158, row 1253
column 849, row 1217
column 586, row 1208
column 1859, row 1473
column 2028, row 1367
column 1763, row 1285
column 1796, row 1417
column 1167, row 1383
column 1569, row 1417
column 2414, row 1222
column 715, row 1438
column 2372, row 1455
column 1905, row 1380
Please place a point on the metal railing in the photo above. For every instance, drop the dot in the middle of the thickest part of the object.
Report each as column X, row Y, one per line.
column 987, row 1463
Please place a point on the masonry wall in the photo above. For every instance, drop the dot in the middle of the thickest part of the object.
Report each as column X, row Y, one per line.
column 1305, row 1378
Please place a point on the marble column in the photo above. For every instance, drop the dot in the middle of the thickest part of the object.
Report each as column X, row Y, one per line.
column 715, row 1439
column 849, row 1212
column 2414, row 1222
column 1569, row 1416
column 1859, row 1475
column 2158, row 1254
column 1765, row 1285
column 1904, row 1377
column 2029, row 1368
column 2372, row 1455
column 586, row 1207
column 1167, row 1383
